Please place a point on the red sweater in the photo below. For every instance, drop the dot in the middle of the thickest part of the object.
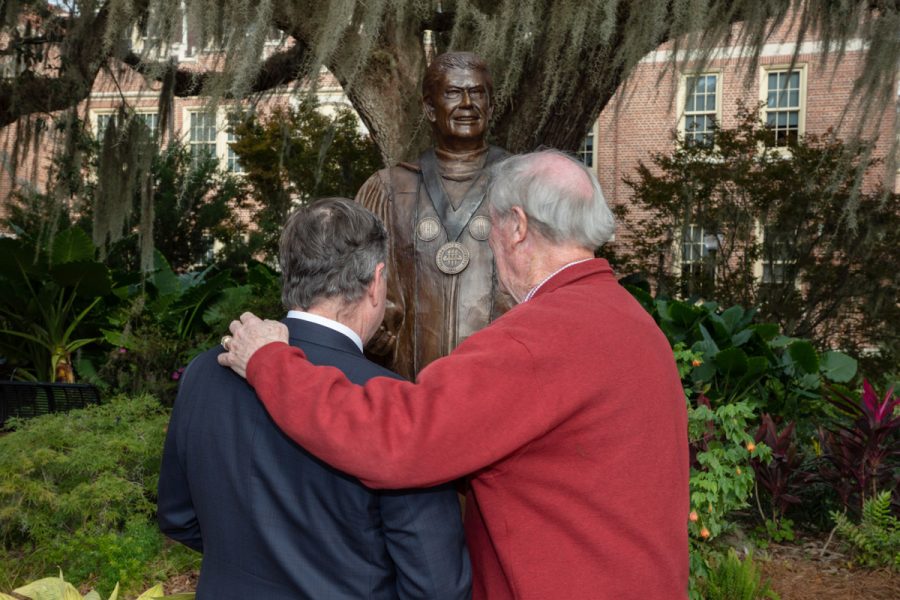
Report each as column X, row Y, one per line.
column 568, row 416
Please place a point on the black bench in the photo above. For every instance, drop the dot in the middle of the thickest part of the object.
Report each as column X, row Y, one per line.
column 29, row 399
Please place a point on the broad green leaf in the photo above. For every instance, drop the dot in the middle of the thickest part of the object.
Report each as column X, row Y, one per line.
column 164, row 279
column 683, row 314
column 756, row 365
column 704, row 372
column 741, row 337
column 72, row 245
column 49, row 588
column 767, row 331
column 780, row 341
column 181, row 596
column 804, row 356
column 6, row 597
column 837, row 366
column 155, row 592
column 115, row 593
column 92, row 278
column 732, row 362
column 732, row 317
column 92, row 595
column 709, row 344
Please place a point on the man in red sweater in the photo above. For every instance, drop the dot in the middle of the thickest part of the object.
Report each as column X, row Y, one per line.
column 566, row 414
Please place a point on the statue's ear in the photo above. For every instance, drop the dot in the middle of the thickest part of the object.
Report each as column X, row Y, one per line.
column 428, row 107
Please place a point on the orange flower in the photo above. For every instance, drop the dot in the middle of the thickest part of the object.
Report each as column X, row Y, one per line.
column 704, row 533
column 751, row 446
column 696, row 362
column 738, row 470
column 694, row 517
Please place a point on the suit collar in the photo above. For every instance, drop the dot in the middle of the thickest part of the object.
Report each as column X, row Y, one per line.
column 307, row 331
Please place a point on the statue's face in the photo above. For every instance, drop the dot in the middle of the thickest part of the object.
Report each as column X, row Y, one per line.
column 459, row 108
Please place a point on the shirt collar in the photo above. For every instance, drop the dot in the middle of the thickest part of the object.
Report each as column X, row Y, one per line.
column 329, row 323
column 535, row 289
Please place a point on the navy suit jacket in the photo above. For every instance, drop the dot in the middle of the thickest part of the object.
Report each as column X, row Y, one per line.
column 274, row 522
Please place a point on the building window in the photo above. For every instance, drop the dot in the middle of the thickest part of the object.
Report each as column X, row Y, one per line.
column 233, row 164
column 697, row 261
column 778, row 265
column 784, row 100
column 586, row 153
column 202, row 138
column 701, row 107
column 103, row 121
column 692, row 248
column 151, row 120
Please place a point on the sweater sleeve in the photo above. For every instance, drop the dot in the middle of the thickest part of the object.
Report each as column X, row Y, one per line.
column 466, row 411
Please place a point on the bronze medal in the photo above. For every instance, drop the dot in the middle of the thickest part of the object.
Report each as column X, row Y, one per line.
column 428, row 229
column 480, row 228
column 452, row 258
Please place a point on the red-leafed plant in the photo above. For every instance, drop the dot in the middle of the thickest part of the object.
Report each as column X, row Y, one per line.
column 860, row 456
column 780, row 476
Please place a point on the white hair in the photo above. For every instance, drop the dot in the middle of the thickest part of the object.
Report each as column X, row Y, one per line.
column 560, row 196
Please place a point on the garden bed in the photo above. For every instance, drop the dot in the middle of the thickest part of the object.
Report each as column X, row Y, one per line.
column 803, row 572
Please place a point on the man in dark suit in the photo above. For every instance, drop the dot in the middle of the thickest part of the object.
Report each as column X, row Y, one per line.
column 271, row 520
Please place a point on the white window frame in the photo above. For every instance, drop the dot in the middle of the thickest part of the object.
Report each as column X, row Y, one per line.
column 223, row 152
column 759, row 269
column 764, row 73
column 682, row 96
column 582, row 152
column 188, row 127
column 98, row 114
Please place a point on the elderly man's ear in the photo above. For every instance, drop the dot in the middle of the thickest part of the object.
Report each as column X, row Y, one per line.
column 377, row 289
column 519, row 228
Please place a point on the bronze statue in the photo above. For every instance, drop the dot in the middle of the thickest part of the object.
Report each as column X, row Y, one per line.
column 442, row 286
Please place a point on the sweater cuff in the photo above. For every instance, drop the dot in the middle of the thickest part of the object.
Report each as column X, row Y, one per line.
column 268, row 355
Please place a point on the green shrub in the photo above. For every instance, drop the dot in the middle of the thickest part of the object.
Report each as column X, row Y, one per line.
column 78, row 491
column 875, row 541
column 736, row 579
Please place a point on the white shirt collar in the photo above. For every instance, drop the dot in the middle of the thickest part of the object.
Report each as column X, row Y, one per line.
column 551, row 276
column 329, row 323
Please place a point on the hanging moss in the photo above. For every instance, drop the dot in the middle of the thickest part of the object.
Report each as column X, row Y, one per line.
column 556, row 62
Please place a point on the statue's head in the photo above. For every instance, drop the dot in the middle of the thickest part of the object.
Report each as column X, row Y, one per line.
column 457, row 96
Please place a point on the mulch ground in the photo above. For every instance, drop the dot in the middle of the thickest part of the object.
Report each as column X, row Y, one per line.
column 804, row 572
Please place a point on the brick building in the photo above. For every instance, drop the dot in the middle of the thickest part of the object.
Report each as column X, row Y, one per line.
column 802, row 94
column 192, row 120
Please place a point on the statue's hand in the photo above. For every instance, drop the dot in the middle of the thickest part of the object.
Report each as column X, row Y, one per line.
column 382, row 343
column 385, row 338
column 247, row 336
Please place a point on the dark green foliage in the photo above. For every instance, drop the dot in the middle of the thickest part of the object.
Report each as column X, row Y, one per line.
column 828, row 277
column 194, row 203
column 158, row 329
column 736, row 579
column 50, row 289
column 875, row 540
column 78, row 491
column 741, row 358
column 295, row 154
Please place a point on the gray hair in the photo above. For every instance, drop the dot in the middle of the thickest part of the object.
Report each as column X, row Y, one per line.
column 448, row 61
column 329, row 249
column 561, row 197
